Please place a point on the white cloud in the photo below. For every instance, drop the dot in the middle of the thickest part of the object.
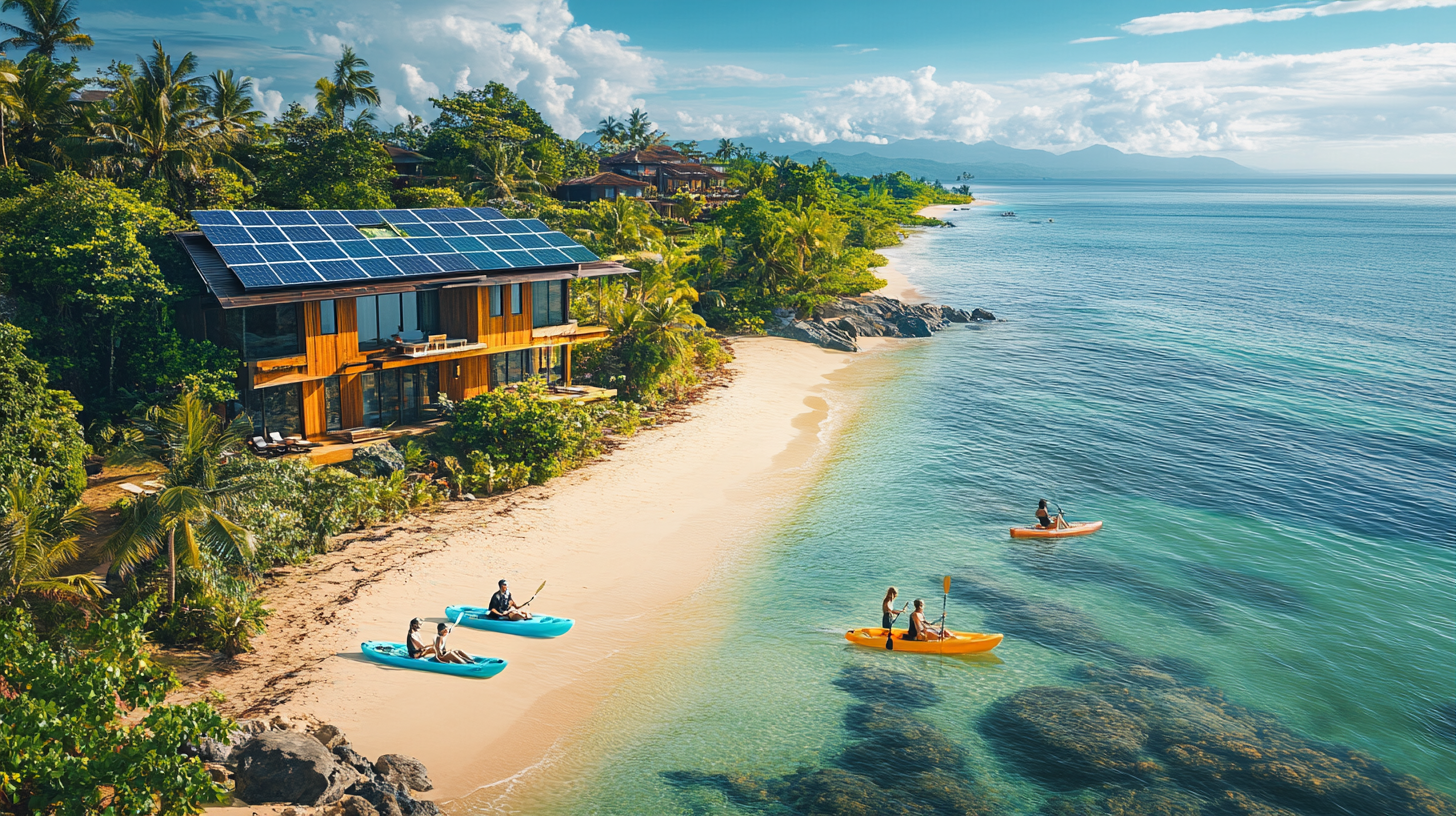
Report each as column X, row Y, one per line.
column 268, row 101
column 875, row 109
column 419, row 87
column 1179, row 21
column 722, row 76
column 1081, row 40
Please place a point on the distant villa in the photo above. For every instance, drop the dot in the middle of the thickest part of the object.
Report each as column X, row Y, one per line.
column 654, row 173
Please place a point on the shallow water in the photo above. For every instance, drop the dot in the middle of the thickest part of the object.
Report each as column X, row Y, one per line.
column 1254, row 384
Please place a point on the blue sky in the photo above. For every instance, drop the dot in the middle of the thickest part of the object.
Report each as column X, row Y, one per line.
column 1330, row 84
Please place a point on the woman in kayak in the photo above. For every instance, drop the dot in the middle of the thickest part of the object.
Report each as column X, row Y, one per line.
column 1044, row 520
column 445, row 654
column 415, row 645
column 504, row 607
column 919, row 629
column 887, row 608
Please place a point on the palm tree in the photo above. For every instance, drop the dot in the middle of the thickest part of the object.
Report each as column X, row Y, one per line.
column 639, row 133
column 610, row 132
column 351, row 86
column 8, row 80
column 501, row 170
column 197, row 497
column 811, row 229
column 53, row 24
column 229, row 104
column 37, row 539
column 726, row 150
column 621, row 225
column 38, row 103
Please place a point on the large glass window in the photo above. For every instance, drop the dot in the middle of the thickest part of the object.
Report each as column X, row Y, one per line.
column 257, row 332
column 333, row 405
column 511, row 367
column 547, row 298
column 411, row 315
column 401, row 395
column 551, row 364
column 276, row 408
column 327, row 323
column 495, row 301
column 515, row 298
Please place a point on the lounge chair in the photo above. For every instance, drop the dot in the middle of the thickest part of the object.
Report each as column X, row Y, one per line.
column 135, row 490
column 260, row 446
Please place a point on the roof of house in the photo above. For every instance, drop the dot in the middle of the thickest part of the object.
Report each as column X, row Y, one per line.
column 656, row 154
column 692, row 171
column 94, row 95
column 607, row 179
column 252, row 257
column 401, row 155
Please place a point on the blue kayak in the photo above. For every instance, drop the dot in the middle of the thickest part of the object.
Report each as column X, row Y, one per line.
column 395, row 654
column 540, row 626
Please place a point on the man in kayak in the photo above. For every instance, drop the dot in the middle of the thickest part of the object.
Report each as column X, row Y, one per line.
column 919, row 629
column 1046, row 521
column 416, row 646
column 444, row 653
column 504, row 607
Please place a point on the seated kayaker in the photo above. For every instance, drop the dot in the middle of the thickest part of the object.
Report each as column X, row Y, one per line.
column 504, row 607
column 415, row 644
column 1046, row 521
column 445, row 654
column 919, row 629
column 887, row 608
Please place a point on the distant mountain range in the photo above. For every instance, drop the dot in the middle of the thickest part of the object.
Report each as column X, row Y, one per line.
column 947, row 160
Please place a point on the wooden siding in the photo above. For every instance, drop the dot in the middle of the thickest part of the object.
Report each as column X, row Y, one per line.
column 327, row 353
column 508, row 329
column 314, row 414
column 460, row 311
column 473, row 379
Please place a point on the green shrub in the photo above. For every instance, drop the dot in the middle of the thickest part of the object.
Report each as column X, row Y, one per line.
column 65, row 747
column 411, row 197
column 38, row 427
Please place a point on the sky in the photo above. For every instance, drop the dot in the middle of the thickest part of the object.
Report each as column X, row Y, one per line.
column 1325, row 85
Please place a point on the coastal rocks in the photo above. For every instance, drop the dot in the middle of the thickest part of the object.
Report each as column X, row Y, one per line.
column 288, row 766
column 1066, row 738
column 380, row 459
column 840, row 322
column 397, row 769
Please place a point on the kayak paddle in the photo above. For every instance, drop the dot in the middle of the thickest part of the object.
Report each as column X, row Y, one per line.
column 945, row 593
column 890, row 632
column 533, row 596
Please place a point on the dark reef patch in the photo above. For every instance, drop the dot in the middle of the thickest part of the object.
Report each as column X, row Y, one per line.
column 1252, row 589
column 1066, row 738
column 874, row 684
column 1045, row 623
column 1059, row 563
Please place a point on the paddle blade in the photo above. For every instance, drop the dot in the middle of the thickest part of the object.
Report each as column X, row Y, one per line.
column 543, row 586
column 890, row 641
column 945, row 585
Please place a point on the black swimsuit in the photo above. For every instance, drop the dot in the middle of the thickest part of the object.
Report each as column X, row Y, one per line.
column 500, row 605
column 1043, row 521
column 914, row 633
column 409, row 644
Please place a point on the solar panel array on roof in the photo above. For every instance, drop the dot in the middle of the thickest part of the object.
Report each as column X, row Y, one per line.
column 270, row 248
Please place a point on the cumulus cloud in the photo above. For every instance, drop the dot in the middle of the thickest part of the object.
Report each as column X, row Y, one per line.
column 723, row 76
column 1179, row 21
column 269, row 101
column 419, row 87
column 1244, row 103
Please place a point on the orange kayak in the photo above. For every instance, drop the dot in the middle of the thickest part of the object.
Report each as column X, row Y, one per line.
column 1073, row 528
column 957, row 643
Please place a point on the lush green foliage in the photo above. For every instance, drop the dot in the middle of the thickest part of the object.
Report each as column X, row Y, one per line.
column 38, row 427
column 38, row 539
column 313, row 163
column 66, row 744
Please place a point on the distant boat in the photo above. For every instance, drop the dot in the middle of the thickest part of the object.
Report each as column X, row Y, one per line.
column 1008, row 214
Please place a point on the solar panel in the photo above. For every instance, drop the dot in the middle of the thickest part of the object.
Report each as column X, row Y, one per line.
column 298, row 247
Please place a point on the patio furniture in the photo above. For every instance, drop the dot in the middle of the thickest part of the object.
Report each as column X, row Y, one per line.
column 261, row 446
column 363, row 434
column 136, row 491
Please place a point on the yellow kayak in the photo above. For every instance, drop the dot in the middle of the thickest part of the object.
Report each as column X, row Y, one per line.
column 1072, row 528
column 957, row 643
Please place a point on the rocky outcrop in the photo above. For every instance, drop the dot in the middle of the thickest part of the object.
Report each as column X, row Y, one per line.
column 840, row 323
column 398, row 769
column 380, row 459
column 288, row 766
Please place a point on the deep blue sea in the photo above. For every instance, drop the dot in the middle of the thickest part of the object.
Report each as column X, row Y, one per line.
column 1252, row 383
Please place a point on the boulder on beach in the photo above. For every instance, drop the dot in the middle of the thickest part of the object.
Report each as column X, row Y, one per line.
column 818, row 333
column 379, row 459
column 288, row 767
column 398, row 769
column 982, row 314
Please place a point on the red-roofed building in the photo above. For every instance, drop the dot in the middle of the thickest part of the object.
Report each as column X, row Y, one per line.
column 601, row 186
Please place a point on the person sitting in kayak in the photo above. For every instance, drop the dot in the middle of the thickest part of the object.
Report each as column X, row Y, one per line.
column 1046, row 521
column 444, row 653
column 887, row 608
column 415, row 645
column 919, row 629
column 504, row 607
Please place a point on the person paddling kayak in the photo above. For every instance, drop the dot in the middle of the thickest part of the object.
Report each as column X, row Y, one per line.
column 1046, row 521
column 444, row 653
column 887, row 608
column 504, row 607
column 415, row 644
column 919, row 629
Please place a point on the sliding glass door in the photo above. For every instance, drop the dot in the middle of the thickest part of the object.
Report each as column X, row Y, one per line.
column 401, row 395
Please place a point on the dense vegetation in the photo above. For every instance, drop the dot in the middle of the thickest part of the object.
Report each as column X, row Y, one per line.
column 90, row 284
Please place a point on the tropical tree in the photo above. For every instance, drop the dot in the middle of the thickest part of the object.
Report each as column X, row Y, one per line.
column 197, row 496
column 811, row 229
column 611, row 132
column 639, row 132
column 38, row 538
column 726, row 150
column 52, row 24
column 500, row 172
column 620, row 225
column 228, row 103
column 38, row 103
column 351, row 86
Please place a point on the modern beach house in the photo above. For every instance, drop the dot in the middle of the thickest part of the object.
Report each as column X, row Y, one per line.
column 348, row 322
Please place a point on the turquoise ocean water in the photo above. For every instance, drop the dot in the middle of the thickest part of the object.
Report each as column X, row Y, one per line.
column 1253, row 384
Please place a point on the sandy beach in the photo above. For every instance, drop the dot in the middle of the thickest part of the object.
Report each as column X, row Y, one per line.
column 617, row 541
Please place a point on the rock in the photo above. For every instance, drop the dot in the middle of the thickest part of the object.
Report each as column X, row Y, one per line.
column 914, row 326
column 832, row 792
column 820, row 334
column 219, row 773
column 356, row 806
column 893, row 741
column 385, row 798
column 1067, row 738
column 353, row 759
column 330, row 736
column 397, row 769
column 845, row 325
column 874, row 684
column 982, row 314
column 288, row 766
column 380, row 458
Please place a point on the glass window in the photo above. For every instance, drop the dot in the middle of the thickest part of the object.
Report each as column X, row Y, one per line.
column 389, row 323
column 277, row 409
column 327, row 325
column 409, row 312
column 540, row 304
column 333, row 405
column 270, row 331
column 556, row 292
column 497, row 370
column 429, row 311
column 495, row 301
column 368, row 321
column 389, row 396
column 515, row 298
column 514, row 372
column 225, row 328
column 371, row 399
